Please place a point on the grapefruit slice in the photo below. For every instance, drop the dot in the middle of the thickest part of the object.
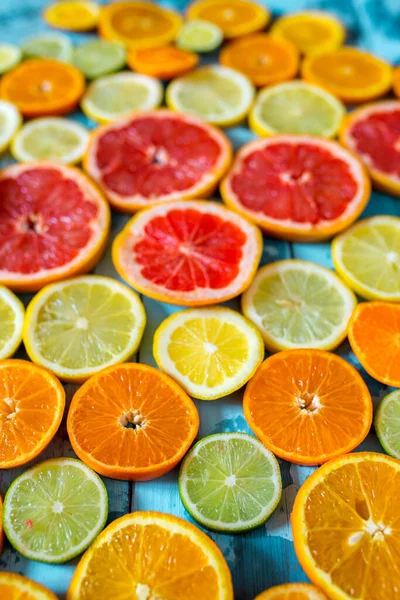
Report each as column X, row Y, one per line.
column 190, row 253
column 53, row 224
column 156, row 156
column 298, row 188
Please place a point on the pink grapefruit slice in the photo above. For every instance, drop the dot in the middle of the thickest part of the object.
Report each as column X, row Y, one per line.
column 297, row 187
column 53, row 224
column 157, row 156
column 192, row 252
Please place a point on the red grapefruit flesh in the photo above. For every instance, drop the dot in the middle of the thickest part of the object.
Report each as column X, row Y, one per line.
column 191, row 253
column 298, row 188
column 158, row 156
column 53, row 224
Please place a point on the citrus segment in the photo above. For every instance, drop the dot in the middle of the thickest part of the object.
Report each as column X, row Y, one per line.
column 234, row 17
column 292, row 591
column 73, row 15
column 1, row 531
column 98, row 58
column 199, row 36
column 190, row 253
column 17, row 587
column 10, row 56
column 10, row 121
column 12, row 313
column 162, row 63
column 387, row 423
column 131, row 422
column 48, row 45
column 308, row 406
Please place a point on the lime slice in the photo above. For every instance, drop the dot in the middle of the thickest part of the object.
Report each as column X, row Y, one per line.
column 387, row 423
column 48, row 45
column 230, row 482
column 98, row 58
column 199, row 36
column 12, row 314
column 298, row 304
column 10, row 121
column 52, row 138
column 296, row 107
column 55, row 510
column 10, row 56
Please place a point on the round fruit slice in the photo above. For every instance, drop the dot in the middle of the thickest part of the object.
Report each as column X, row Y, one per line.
column 230, row 482
column 53, row 224
column 98, row 58
column 296, row 107
column 234, row 17
column 154, row 157
column 80, row 326
column 367, row 258
column 190, row 253
column 373, row 133
column 350, row 74
column 298, row 304
column 17, row 587
column 292, row 591
column 374, row 333
column 199, row 36
column 163, row 63
column 263, row 59
column 73, row 15
column 50, row 138
column 32, row 403
column 43, row 86
column 1, row 534
column 298, row 188
column 139, row 25
column 387, row 423
column 55, row 510
column 10, row 121
column 137, row 410
column 12, row 313
column 396, row 81
column 48, row 45
column 308, row 406
column 219, row 95
column 10, row 56
column 211, row 352
column 345, row 531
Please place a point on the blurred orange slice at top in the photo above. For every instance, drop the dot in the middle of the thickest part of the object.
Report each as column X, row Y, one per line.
column 234, row 17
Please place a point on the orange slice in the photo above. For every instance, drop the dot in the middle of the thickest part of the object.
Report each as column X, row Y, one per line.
column 374, row 334
column 308, row 406
column 43, row 86
column 396, row 81
column 166, row 62
column 131, row 421
column 31, row 408
column 346, row 527
column 18, row 587
column 73, row 15
column 138, row 25
column 263, row 59
column 292, row 591
column 350, row 74
column 234, row 17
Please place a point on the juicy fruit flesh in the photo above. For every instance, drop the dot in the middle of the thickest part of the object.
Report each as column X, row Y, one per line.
column 138, row 22
column 348, row 70
column 117, row 97
column 51, row 142
column 261, row 57
column 8, row 323
column 387, row 424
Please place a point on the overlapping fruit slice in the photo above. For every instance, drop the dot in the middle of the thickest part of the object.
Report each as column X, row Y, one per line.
column 17, row 587
column 234, row 17
column 163, row 63
column 292, row 591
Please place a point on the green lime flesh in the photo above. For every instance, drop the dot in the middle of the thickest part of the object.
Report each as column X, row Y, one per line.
column 199, row 36
column 99, row 58
column 48, row 45
column 387, row 423
column 10, row 56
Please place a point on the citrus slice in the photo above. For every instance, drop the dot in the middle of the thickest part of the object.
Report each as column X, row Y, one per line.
column 79, row 326
column 73, row 15
column 139, row 411
column 230, row 482
column 48, row 45
column 387, row 423
column 139, row 25
column 374, row 333
column 196, row 35
column 50, row 138
column 43, row 86
column 298, row 188
column 10, row 56
column 190, row 253
column 396, row 81
column 263, row 59
column 98, row 58
column 351, row 74
column 211, row 352
column 308, row 406
column 32, row 403
column 115, row 96
column 162, row 63
column 345, row 531
column 54, row 510
column 312, row 32
column 234, row 17
column 296, row 107
column 12, row 313
column 372, row 132
column 10, row 121
column 153, row 157
column 1, row 531
column 54, row 224
column 367, row 258
column 292, row 591
column 298, row 304
column 17, row 587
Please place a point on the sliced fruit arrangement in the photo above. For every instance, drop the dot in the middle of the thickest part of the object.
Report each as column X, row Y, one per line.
column 298, row 304
column 77, row 327
column 348, row 497
column 387, row 423
column 73, row 15
column 196, row 35
column 99, row 57
column 10, row 56
column 132, row 422
column 211, row 352
column 292, row 591
column 12, row 313
column 163, row 63
column 298, row 188
column 308, row 406
column 154, row 157
column 40, row 203
column 10, row 122
column 16, row 587
column 54, row 510
column 48, row 45
column 191, row 253
column 193, row 568
column 233, row 17
column 230, row 482
column 374, row 333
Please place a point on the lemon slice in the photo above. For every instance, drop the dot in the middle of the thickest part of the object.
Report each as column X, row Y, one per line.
column 115, row 96
column 12, row 314
column 10, row 55
column 10, row 121
column 211, row 352
column 219, row 95
column 52, row 138
column 48, row 45
column 72, row 15
column 199, row 36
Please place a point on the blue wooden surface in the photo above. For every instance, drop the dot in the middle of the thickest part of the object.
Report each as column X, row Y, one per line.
column 264, row 557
